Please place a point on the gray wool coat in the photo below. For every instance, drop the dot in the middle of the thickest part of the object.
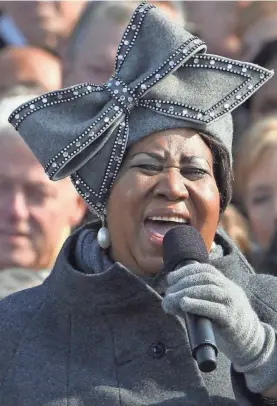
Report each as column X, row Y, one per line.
column 103, row 339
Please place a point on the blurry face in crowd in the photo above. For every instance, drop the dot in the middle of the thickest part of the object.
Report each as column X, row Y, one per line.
column 19, row 66
column 44, row 23
column 216, row 21
column 167, row 179
column 264, row 102
column 94, row 60
column 261, row 198
column 35, row 213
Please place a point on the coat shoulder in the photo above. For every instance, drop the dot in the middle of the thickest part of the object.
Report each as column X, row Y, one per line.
column 16, row 312
column 263, row 291
column 260, row 288
column 19, row 303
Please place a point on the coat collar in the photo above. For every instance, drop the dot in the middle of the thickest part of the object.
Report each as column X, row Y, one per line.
column 117, row 287
column 98, row 292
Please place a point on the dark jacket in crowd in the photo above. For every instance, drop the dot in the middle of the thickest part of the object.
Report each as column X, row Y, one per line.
column 266, row 262
column 103, row 339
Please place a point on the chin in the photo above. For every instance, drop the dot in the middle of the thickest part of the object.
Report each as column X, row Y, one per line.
column 151, row 267
column 22, row 260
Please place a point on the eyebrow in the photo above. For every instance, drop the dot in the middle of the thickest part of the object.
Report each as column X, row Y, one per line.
column 151, row 154
column 184, row 160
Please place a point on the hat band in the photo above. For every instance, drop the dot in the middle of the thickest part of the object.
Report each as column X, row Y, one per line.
column 123, row 94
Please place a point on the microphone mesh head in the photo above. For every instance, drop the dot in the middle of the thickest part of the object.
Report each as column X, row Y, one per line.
column 183, row 243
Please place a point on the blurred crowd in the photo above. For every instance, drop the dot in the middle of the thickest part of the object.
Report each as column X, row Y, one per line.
column 46, row 45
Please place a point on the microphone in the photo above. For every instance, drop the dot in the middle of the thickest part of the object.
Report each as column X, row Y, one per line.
column 183, row 245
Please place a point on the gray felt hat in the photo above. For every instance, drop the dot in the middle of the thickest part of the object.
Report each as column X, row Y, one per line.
column 163, row 79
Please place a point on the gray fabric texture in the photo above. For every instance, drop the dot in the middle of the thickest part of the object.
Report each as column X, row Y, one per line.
column 163, row 79
column 250, row 344
column 103, row 338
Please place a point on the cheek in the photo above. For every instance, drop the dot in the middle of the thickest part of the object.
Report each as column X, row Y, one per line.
column 50, row 220
column 261, row 224
column 209, row 201
column 207, row 205
column 126, row 206
column 124, row 203
column 260, row 216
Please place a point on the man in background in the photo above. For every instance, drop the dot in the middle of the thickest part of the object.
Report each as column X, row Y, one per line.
column 36, row 215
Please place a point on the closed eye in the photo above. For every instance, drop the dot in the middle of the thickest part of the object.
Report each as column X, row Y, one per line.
column 193, row 173
column 149, row 167
column 190, row 173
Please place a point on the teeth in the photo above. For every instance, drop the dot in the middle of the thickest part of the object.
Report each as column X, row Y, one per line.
column 174, row 219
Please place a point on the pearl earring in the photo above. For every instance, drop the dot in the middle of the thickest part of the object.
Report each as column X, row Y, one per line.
column 103, row 237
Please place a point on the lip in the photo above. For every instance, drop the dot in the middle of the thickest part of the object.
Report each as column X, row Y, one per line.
column 13, row 234
column 157, row 238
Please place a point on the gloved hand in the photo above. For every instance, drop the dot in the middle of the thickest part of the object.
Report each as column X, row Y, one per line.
column 249, row 344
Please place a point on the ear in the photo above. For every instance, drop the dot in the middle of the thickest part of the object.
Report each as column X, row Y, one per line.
column 78, row 211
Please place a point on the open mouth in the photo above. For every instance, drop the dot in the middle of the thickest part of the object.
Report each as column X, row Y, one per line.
column 158, row 226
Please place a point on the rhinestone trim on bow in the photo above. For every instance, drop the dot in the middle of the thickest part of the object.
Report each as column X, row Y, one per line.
column 50, row 99
column 98, row 200
column 121, row 92
column 131, row 34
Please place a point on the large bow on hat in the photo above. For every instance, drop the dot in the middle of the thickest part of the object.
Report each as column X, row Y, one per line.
column 163, row 79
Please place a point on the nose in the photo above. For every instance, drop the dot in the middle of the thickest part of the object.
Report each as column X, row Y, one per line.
column 16, row 206
column 172, row 185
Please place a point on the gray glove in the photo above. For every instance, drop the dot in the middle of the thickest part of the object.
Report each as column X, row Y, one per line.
column 249, row 344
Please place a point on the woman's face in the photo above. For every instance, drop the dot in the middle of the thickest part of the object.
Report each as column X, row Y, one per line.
column 166, row 180
column 261, row 198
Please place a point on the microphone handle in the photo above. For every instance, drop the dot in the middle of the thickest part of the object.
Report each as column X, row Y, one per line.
column 201, row 337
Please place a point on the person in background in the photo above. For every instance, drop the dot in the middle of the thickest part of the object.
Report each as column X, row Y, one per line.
column 31, row 67
column 215, row 22
column 93, row 44
column 264, row 103
column 256, row 25
column 236, row 226
column 36, row 215
column 44, row 24
column 256, row 190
